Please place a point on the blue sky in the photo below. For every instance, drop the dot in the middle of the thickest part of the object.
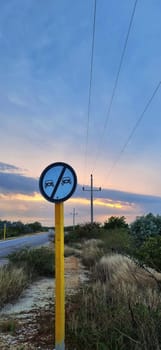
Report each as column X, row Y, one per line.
column 45, row 50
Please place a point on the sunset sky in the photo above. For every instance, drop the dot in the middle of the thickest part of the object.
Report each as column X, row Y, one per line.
column 45, row 65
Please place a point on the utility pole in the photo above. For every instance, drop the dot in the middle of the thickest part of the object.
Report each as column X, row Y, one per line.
column 4, row 230
column 74, row 215
column 91, row 190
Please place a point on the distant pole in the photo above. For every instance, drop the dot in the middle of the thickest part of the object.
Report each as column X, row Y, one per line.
column 74, row 215
column 91, row 199
column 91, row 190
column 4, row 231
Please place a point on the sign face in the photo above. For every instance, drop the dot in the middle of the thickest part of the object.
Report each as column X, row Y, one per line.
column 57, row 182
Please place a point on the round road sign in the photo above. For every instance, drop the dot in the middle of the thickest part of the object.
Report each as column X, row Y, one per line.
column 57, row 182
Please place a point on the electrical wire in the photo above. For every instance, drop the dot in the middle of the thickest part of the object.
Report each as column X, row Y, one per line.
column 116, row 80
column 90, row 84
column 134, row 129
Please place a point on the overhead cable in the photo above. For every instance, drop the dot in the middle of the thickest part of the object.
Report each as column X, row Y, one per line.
column 116, row 79
column 134, row 128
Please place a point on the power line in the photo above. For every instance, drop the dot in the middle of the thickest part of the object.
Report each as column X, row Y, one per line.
column 90, row 81
column 116, row 79
column 134, row 128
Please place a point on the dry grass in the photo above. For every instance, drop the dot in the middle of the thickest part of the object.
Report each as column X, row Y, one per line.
column 91, row 252
column 12, row 283
column 129, row 280
column 120, row 309
column 68, row 251
column 9, row 326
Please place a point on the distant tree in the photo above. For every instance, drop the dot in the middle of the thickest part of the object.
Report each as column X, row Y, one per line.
column 116, row 222
column 144, row 227
column 35, row 226
column 17, row 228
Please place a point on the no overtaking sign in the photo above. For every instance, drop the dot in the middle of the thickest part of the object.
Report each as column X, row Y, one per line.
column 57, row 182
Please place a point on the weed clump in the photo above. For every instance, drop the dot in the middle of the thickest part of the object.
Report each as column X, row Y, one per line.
column 13, row 281
column 92, row 251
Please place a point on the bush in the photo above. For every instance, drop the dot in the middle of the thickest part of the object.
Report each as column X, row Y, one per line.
column 36, row 262
column 83, row 232
column 150, row 252
column 144, row 227
column 115, row 222
column 117, row 240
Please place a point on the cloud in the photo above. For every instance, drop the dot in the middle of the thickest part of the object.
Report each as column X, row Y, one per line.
column 8, row 167
column 20, row 197
column 110, row 202
column 119, row 196
column 17, row 183
column 13, row 182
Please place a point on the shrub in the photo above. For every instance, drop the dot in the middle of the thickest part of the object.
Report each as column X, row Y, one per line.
column 150, row 252
column 38, row 261
column 117, row 240
column 145, row 226
column 115, row 222
column 83, row 232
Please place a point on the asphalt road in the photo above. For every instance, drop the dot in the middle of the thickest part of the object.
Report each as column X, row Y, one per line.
column 9, row 246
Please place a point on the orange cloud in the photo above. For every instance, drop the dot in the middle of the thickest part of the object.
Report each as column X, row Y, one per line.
column 102, row 202
column 111, row 205
column 23, row 197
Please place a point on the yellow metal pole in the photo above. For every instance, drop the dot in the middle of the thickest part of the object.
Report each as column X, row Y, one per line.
column 4, row 232
column 59, row 274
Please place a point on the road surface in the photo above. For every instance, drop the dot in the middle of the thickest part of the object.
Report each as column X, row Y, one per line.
column 9, row 246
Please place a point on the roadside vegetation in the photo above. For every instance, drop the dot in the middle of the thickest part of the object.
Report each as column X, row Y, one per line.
column 24, row 266
column 119, row 307
column 13, row 280
column 35, row 262
column 115, row 312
